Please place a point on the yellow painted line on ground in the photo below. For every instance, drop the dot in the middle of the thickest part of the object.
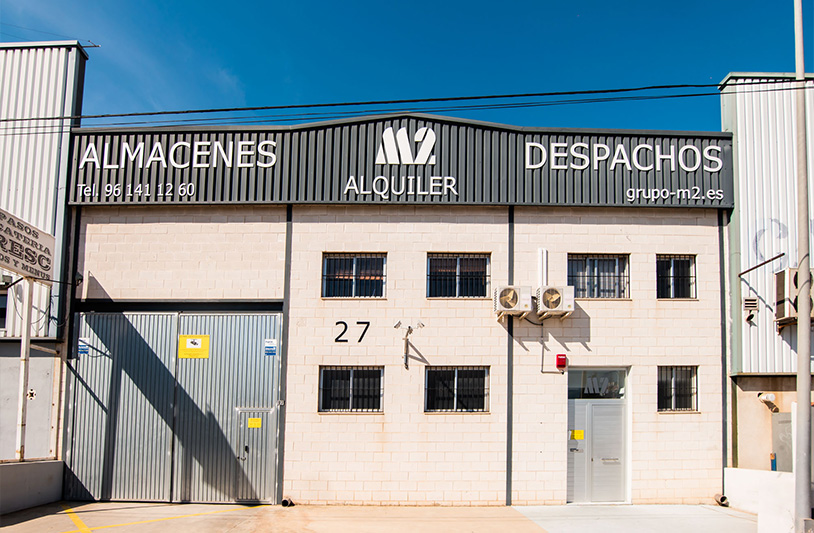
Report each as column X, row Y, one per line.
column 85, row 529
column 76, row 520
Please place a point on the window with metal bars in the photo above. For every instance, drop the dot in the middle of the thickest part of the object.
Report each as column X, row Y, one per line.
column 456, row 389
column 350, row 388
column 678, row 388
column 457, row 275
column 675, row 276
column 353, row 275
column 599, row 276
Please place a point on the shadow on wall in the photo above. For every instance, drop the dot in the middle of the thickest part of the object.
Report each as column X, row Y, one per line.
column 152, row 387
column 532, row 332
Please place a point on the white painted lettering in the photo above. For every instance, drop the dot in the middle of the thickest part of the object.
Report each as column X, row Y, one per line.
column 272, row 157
column 244, row 149
column 449, row 185
column 709, row 157
column 669, row 157
column 556, row 154
column 90, row 156
column 682, row 160
column 351, row 186
column 436, row 182
column 637, row 162
column 201, row 149
column 381, row 187
column 105, row 159
column 129, row 155
column 529, row 158
column 579, row 155
column 157, row 154
column 620, row 156
column 597, row 157
column 174, row 151
column 393, row 187
column 419, row 191
column 226, row 158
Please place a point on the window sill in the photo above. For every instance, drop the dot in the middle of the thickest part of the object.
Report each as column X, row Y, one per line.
column 350, row 412
column 343, row 298
column 470, row 298
column 690, row 412
column 605, row 299
column 457, row 412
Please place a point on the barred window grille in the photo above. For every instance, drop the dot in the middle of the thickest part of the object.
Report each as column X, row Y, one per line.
column 457, row 389
column 675, row 276
column 457, row 275
column 348, row 388
column 353, row 275
column 599, row 276
column 678, row 388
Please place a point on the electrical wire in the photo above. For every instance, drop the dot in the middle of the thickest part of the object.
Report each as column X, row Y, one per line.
column 26, row 129
column 93, row 45
column 384, row 102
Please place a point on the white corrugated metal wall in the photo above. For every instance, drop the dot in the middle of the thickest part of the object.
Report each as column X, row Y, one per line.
column 762, row 119
column 37, row 80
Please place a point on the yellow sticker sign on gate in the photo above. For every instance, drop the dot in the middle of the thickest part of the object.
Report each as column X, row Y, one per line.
column 255, row 422
column 577, row 434
column 193, row 346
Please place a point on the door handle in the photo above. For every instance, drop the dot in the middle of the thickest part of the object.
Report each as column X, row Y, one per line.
column 246, row 450
column 574, row 450
column 610, row 459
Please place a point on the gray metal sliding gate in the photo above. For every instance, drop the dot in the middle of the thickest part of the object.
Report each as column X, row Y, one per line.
column 173, row 407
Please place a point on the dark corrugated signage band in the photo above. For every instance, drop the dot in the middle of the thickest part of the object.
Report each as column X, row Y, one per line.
column 403, row 160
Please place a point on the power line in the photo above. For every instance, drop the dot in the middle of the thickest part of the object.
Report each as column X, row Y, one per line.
column 94, row 45
column 375, row 102
column 25, row 129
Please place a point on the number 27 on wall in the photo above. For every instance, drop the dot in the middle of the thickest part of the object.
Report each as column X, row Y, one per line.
column 344, row 326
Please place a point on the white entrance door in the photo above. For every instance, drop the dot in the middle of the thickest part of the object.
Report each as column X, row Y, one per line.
column 596, row 439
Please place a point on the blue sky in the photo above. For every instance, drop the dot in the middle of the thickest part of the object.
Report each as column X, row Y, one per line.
column 172, row 55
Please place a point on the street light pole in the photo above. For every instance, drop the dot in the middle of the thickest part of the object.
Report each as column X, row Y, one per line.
column 802, row 474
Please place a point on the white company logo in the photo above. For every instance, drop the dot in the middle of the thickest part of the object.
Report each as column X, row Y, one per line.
column 398, row 150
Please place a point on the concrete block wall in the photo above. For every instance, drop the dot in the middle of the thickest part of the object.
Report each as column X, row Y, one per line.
column 195, row 253
column 404, row 456
column 675, row 457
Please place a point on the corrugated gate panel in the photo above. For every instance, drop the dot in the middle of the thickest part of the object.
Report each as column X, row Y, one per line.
column 120, row 419
column 236, row 375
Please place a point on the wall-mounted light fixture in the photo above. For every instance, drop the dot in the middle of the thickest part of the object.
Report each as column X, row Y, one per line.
column 408, row 330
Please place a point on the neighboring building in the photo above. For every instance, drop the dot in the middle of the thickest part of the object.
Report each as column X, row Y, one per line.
column 40, row 88
column 759, row 110
column 310, row 311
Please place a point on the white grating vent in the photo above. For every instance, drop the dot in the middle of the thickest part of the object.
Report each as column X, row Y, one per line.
column 750, row 304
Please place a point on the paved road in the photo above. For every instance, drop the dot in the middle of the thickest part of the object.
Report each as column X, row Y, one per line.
column 126, row 517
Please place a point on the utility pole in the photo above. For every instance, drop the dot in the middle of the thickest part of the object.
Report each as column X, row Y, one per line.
column 802, row 474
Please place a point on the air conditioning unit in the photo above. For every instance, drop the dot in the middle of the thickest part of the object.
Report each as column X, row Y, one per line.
column 513, row 300
column 555, row 300
column 786, row 288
